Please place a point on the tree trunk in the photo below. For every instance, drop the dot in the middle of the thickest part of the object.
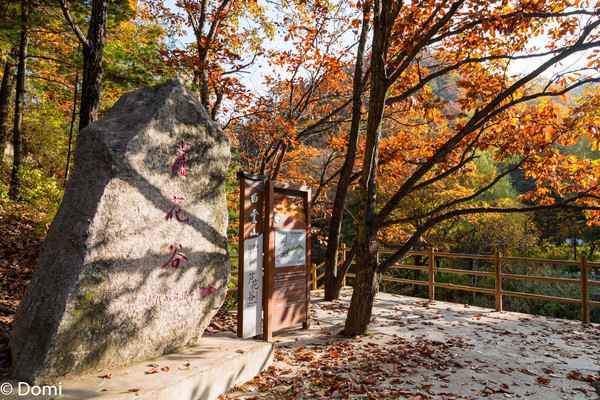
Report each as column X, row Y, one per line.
column 366, row 283
column 333, row 280
column 333, row 275
column 5, row 92
column 203, row 75
column 366, row 286
column 93, row 53
column 15, row 176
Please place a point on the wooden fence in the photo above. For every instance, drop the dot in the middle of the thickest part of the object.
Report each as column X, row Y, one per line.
column 431, row 269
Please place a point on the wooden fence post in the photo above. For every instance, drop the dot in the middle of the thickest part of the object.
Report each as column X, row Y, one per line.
column 314, row 276
column 585, row 296
column 431, row 271
column 498, row 282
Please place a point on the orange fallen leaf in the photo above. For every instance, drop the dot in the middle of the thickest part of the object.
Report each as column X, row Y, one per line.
column 542, row 381
column 334, row 354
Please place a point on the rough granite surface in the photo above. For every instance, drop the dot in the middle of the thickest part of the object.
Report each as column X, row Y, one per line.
column 135, row 263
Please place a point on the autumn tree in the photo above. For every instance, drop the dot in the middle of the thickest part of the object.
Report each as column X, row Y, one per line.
column 415, row 44
column 288, row 129
column 333, row 277
column 132, row 58
column 5, row 96
column 93, row 52
column 15, row 179
column 7, row 50
column 227, row 41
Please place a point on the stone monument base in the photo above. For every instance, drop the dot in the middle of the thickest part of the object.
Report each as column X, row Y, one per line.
column 202, row 372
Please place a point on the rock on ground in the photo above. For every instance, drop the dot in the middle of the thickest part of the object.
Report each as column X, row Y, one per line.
column 135, row 263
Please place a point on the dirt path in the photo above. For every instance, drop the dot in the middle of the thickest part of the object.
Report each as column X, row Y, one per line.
column 439, row 351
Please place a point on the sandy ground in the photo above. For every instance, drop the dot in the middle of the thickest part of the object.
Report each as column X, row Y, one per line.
column 416, row 350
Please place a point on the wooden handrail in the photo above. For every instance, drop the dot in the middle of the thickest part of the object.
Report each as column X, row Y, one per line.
column 465, row 256
column 465, row 272
column 491, row 257
column 573, row 263
column 466, row 288
column 497, row 260
column 536, row 296
column 406, row 281
column 410, row 267
column 549, row 279
column 409, row 254
column 594, row 264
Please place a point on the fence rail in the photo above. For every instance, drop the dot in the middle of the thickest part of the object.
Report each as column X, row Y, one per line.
column 431, row 269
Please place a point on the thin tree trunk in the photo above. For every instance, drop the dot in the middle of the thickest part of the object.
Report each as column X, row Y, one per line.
column 367, row 281
column 203, row 77
column 15, row 176
column 5, row 94
column 200, row 74
column 333, row 281
column 93, row 53
column 73, row 117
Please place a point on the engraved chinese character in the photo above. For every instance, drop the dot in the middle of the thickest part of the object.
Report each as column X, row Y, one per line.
column 176, row 211
column 180, row 165
column 176, row 258
column 253, row 286
column 253, row 215
column 253, row 221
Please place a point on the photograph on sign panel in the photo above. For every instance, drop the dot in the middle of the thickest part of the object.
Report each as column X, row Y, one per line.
column 290, row 247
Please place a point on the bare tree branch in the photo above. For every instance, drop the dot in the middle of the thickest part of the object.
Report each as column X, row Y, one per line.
column 65, row 10
column 566, row 205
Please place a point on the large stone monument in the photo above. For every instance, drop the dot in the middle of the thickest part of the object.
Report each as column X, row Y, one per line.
column 135, row 264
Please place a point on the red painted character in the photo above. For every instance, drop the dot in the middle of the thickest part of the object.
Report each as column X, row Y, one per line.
column 176, row 210
column 206, row 291
column 180, row 165
column 176, row 258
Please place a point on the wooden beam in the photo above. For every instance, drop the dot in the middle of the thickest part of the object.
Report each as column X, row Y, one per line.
column 431, row 274
column 498, row 282
column 405, row 281
column 585, row 295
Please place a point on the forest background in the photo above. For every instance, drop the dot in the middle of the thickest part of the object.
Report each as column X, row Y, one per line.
column 280, row 78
